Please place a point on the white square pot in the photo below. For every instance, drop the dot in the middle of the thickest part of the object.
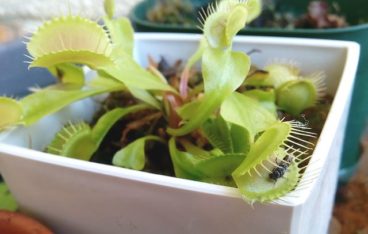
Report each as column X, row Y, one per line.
column 73, row 196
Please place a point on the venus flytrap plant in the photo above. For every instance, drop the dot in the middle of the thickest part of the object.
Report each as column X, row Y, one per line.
column 133, row 155
column 254, row 177
column 295, row 96
column 221, row 129
column 78, row 40
column 294, row 92
column 222, row 23
column 70, row 39
column 81, row 141
column 35, row 106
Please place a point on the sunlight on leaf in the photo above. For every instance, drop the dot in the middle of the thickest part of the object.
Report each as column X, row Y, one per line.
column 70, row 39
column 247, row 112
column 10, row 111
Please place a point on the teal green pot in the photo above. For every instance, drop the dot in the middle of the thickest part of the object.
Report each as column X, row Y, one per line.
column 354, row 11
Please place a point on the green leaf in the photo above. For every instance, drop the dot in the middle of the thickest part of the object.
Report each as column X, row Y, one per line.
column 215, row 169
column 267, row 98
column 68, row 74
column 131, row 74
column 115, row 85
column 235, row 22
column 264, row 147
column 254, row 9
column 107, row 83
column 219, row 167
column 7, row 201
column 133, row 155
column 109, row 6
column 184, row 162
column 105, row 122
column 197, row 151
column 45, row 102
column 240, row 138
column 246, row 112
column 223, row 73
column 207, row 105
column 217, row 132
column 122, row 35
column 197, row 54
column 229, row 138
column 11, row 112
column 145, row 97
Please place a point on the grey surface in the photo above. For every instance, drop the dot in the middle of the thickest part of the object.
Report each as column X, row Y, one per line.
column 15, row 77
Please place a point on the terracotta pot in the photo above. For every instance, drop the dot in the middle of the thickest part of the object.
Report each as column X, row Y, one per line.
column 16, row 223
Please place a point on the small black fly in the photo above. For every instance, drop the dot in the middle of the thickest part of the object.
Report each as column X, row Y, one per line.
column 280, row 170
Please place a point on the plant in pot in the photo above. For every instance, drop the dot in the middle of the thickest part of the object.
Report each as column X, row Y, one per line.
column 326, row 19
column 228, row 123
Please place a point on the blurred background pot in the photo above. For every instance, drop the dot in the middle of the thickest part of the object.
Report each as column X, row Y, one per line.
column 16, row 223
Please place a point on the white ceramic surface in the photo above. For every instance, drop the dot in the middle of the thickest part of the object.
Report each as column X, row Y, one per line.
column 73, row 196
